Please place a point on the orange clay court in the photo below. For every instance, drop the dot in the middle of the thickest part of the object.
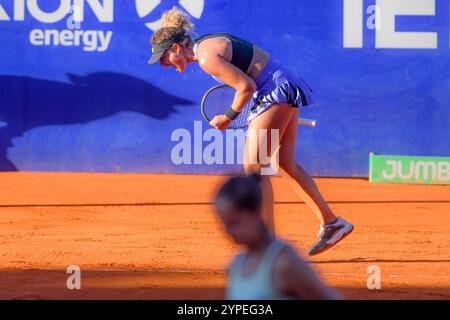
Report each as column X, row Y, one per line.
column 145, row 236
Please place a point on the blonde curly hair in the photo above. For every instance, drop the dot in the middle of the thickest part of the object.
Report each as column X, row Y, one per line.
column 176, row 25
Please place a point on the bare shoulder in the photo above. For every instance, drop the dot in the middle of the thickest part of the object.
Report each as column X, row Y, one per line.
column 288, row 258
column 217, row 45
column 293, row 276
column 284, row 267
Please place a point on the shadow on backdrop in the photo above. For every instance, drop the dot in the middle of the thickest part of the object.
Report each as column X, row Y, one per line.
column 27, row 103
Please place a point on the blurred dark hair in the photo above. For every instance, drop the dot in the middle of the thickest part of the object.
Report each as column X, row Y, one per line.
column 244, row 192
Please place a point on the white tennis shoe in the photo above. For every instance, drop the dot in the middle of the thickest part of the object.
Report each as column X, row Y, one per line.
column 330, row 234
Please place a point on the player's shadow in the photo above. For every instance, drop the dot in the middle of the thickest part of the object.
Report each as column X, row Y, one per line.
column 27, row 103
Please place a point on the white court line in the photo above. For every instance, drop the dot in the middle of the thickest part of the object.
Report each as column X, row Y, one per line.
column 383, row 275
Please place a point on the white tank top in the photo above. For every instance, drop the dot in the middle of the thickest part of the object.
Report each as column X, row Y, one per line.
column 257, row 286
column 196, row 56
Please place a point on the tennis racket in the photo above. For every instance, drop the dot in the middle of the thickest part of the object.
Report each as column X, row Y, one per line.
column 219, row 98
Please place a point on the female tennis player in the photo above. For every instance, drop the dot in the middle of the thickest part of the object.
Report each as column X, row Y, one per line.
column 278, row 96
column 269, row 268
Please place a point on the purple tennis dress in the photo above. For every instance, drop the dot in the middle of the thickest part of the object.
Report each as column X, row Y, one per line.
column 274, row 85
column 277, row 85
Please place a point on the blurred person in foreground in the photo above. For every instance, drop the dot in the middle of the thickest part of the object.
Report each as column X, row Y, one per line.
column 268, row 268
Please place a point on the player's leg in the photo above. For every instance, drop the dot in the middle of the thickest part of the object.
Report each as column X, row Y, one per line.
column 298, row 178
column 258, row 148
column 333, row 229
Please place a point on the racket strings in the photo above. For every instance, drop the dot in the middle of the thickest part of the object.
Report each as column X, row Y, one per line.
column 218, row 100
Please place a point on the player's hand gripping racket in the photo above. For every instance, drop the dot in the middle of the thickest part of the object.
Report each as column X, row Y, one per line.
column 219, row 98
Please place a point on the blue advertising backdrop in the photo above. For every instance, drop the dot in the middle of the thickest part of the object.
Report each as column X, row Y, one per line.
column 79, row 102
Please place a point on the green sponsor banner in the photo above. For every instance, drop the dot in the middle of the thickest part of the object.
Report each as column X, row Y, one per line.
column 406, row 169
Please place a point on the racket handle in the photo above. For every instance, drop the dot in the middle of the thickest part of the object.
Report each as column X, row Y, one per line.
column 307, row 122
